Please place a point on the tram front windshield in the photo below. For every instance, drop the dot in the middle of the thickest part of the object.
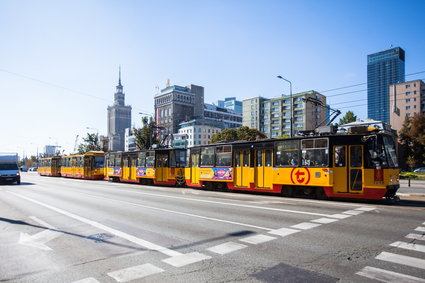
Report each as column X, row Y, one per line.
column 382, row 152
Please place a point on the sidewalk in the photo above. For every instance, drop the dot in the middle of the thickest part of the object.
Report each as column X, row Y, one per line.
column 417, row 188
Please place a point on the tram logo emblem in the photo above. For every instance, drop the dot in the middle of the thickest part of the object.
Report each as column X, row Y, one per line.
column 300, row 176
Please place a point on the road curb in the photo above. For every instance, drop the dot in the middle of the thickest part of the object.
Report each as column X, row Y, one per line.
column 410, row 195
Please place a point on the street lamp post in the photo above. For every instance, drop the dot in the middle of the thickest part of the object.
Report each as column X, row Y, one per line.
column 292, row 104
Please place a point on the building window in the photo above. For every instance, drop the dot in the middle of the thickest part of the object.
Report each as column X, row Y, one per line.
column 407, row 107
column 407, row 86
column 407, row 93
column 408, row 100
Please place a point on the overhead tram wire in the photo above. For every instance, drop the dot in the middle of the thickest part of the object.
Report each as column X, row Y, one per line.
column 360, row 84
column 60, row 87
column 398, row 99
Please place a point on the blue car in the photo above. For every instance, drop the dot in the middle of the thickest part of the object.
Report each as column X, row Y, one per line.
column 419, row 170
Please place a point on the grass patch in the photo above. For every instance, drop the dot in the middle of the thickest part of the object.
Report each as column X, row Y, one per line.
column 413, row 176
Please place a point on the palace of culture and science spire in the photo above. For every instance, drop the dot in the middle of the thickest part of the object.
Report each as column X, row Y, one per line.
column 119, row 118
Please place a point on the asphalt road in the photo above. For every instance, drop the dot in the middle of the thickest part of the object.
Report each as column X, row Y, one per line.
column 65, row 230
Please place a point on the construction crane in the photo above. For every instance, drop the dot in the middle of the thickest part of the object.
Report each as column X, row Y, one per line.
column 75, row 144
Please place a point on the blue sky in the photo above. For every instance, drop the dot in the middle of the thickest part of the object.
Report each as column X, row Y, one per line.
column 59, row 59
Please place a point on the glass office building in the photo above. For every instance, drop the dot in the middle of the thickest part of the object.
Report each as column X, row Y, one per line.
column 383, row 69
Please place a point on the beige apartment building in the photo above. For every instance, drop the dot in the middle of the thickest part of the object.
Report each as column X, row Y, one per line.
column 273, row 116
column 406, row 100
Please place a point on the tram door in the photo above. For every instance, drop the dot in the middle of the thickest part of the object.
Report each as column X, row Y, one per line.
column 242, row 168
column 130, row 166
column 263, row 168
column 348, row 169
column 88, row 165
column 194, row 168
column 161, row 168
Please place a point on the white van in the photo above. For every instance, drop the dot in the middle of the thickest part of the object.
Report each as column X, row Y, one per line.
column 9, row 171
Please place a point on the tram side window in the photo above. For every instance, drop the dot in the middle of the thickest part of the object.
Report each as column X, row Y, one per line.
column 287, row 153
column 340, row 155
column 99, row 161
column 118, row 162
column 150, row 159
column 79, row 162
column 207, row 156
column 178, row 158
column 224, row 155
column 356, row 156
column 111, row 161
column 314, row 152
column 141, row 159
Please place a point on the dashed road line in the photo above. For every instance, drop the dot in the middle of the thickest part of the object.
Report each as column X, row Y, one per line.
column 353, row 212
column 409, row 246
column 185, row 259
column 226, row 248
column 340, row 215
column 283, row 232
column 420, row 229
column 257, row 239
column 387, row 276
column 306, row 225
column 415, row 236
column 87, row 280
column 402, row 259
column 324, row 220
column 135, row 272
column 365, row 208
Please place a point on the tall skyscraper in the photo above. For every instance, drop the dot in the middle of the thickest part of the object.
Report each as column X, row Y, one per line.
column 119, row 118
column 383, row 69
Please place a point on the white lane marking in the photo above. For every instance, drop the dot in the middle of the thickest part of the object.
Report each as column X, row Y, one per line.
column 257, row 239
column 387, row 276
column 87, row 280
column 238, row 205
column 306, row 225
column 366, row 208
column 324, row 220
column 353, row 212
column 409, row 246
column 135, row 272
column 415, row 236
column 128, row 237
column 283, row 232
column 340, row 216
column 39, row 239
column 226, row 248
column 185, row 214
column 420, row 229
column 185, row 259
column 401, row 259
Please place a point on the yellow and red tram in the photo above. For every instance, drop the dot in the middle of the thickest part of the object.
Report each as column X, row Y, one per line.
column 84, row 166
column 160, row 166
column 359, row 164
column 49, row 166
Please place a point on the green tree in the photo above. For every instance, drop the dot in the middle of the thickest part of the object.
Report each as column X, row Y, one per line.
column 147, row 135
column 348, row 118
column 91, row 143
column 242, row 133
column 412, row 140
